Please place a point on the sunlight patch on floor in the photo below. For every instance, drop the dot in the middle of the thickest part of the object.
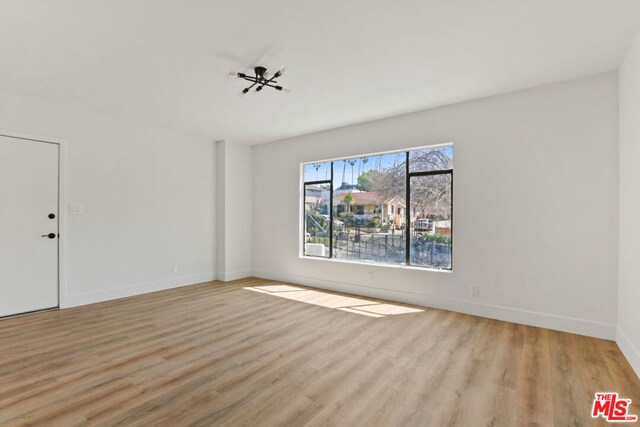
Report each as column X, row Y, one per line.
column 278, row 288
column 353, row 305
column 362, row 313
column 389, row 309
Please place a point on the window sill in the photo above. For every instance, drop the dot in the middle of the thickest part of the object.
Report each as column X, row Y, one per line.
column 376, row 264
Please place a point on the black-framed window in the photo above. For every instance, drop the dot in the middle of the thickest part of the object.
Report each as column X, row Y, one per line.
column 392, row 208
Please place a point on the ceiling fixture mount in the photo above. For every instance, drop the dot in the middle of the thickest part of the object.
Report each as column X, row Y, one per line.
column 261, row 79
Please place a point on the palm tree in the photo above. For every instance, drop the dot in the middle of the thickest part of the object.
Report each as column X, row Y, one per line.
column 344, row 168
column 352, row 162
column 364, row 162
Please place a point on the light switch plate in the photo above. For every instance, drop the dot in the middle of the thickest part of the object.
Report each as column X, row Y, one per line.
column 75, row 209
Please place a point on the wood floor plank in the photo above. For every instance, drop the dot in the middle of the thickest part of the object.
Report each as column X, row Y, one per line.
column 224, row 354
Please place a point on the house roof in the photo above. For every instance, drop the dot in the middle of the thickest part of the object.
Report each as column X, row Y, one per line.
column 363, row 197
column 314, row 187
column 313, row 199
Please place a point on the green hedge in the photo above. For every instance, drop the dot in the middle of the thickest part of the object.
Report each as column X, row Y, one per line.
column 436, row 238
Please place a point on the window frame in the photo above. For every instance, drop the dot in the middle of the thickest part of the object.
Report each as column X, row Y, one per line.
column 410, row 175
column 304, row 212
column 407, row 211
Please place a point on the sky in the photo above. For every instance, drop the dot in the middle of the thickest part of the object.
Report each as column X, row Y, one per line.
column 342, row 168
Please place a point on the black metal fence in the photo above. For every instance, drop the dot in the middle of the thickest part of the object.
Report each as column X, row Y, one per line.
column 379, row 247
column 431, row 254
column 361, row 243
column 354, row 244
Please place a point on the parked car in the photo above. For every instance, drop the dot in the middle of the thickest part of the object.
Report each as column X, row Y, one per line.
column 423, row 225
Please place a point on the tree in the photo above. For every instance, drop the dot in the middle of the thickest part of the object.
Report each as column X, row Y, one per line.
column 363, row 161
column 352, row 162
column 368, row 180
column 431, row 195
column 431, row 159
column 348, row 198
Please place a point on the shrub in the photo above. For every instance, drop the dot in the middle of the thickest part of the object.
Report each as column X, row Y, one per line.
column 316, row 224
column 348, row 218
column 436, row 238
column 374, row 222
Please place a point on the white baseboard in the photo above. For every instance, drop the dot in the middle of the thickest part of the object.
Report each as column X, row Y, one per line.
column 67, row 301
column 227, row 276
column 629, row 350
column 531, row 318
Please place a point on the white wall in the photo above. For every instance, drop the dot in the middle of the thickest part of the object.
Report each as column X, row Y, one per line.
column 148, row 197
column 234, row 210
column 628, row 336
column 536, row 207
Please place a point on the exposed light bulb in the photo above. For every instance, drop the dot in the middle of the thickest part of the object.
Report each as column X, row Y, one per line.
column 281, row 71
column 267, row 75
column 286, row 89
column 233, row 74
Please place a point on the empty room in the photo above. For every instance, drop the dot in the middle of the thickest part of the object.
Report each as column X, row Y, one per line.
column 328, row 213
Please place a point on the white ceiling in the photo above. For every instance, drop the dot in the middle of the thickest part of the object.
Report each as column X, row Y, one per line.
column 166, row 62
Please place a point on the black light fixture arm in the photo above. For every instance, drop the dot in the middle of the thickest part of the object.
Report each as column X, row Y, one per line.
column 261, row 79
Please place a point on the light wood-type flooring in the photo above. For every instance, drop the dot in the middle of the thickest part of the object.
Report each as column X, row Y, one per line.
column 260, row 353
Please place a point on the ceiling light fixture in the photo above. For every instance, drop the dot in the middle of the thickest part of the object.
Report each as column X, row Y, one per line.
column 261, row 79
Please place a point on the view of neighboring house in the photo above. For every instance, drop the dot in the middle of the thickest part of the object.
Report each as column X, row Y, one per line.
column 443, row 227
column 366, row 205
column 316, row 199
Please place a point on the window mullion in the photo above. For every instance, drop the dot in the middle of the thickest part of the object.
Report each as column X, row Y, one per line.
column 331, row 214
column 407, row 211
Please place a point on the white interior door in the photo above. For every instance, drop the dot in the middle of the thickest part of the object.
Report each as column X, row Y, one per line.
column 28, row 225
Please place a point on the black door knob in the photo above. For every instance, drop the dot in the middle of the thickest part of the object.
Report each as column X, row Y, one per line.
column 50, row 235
